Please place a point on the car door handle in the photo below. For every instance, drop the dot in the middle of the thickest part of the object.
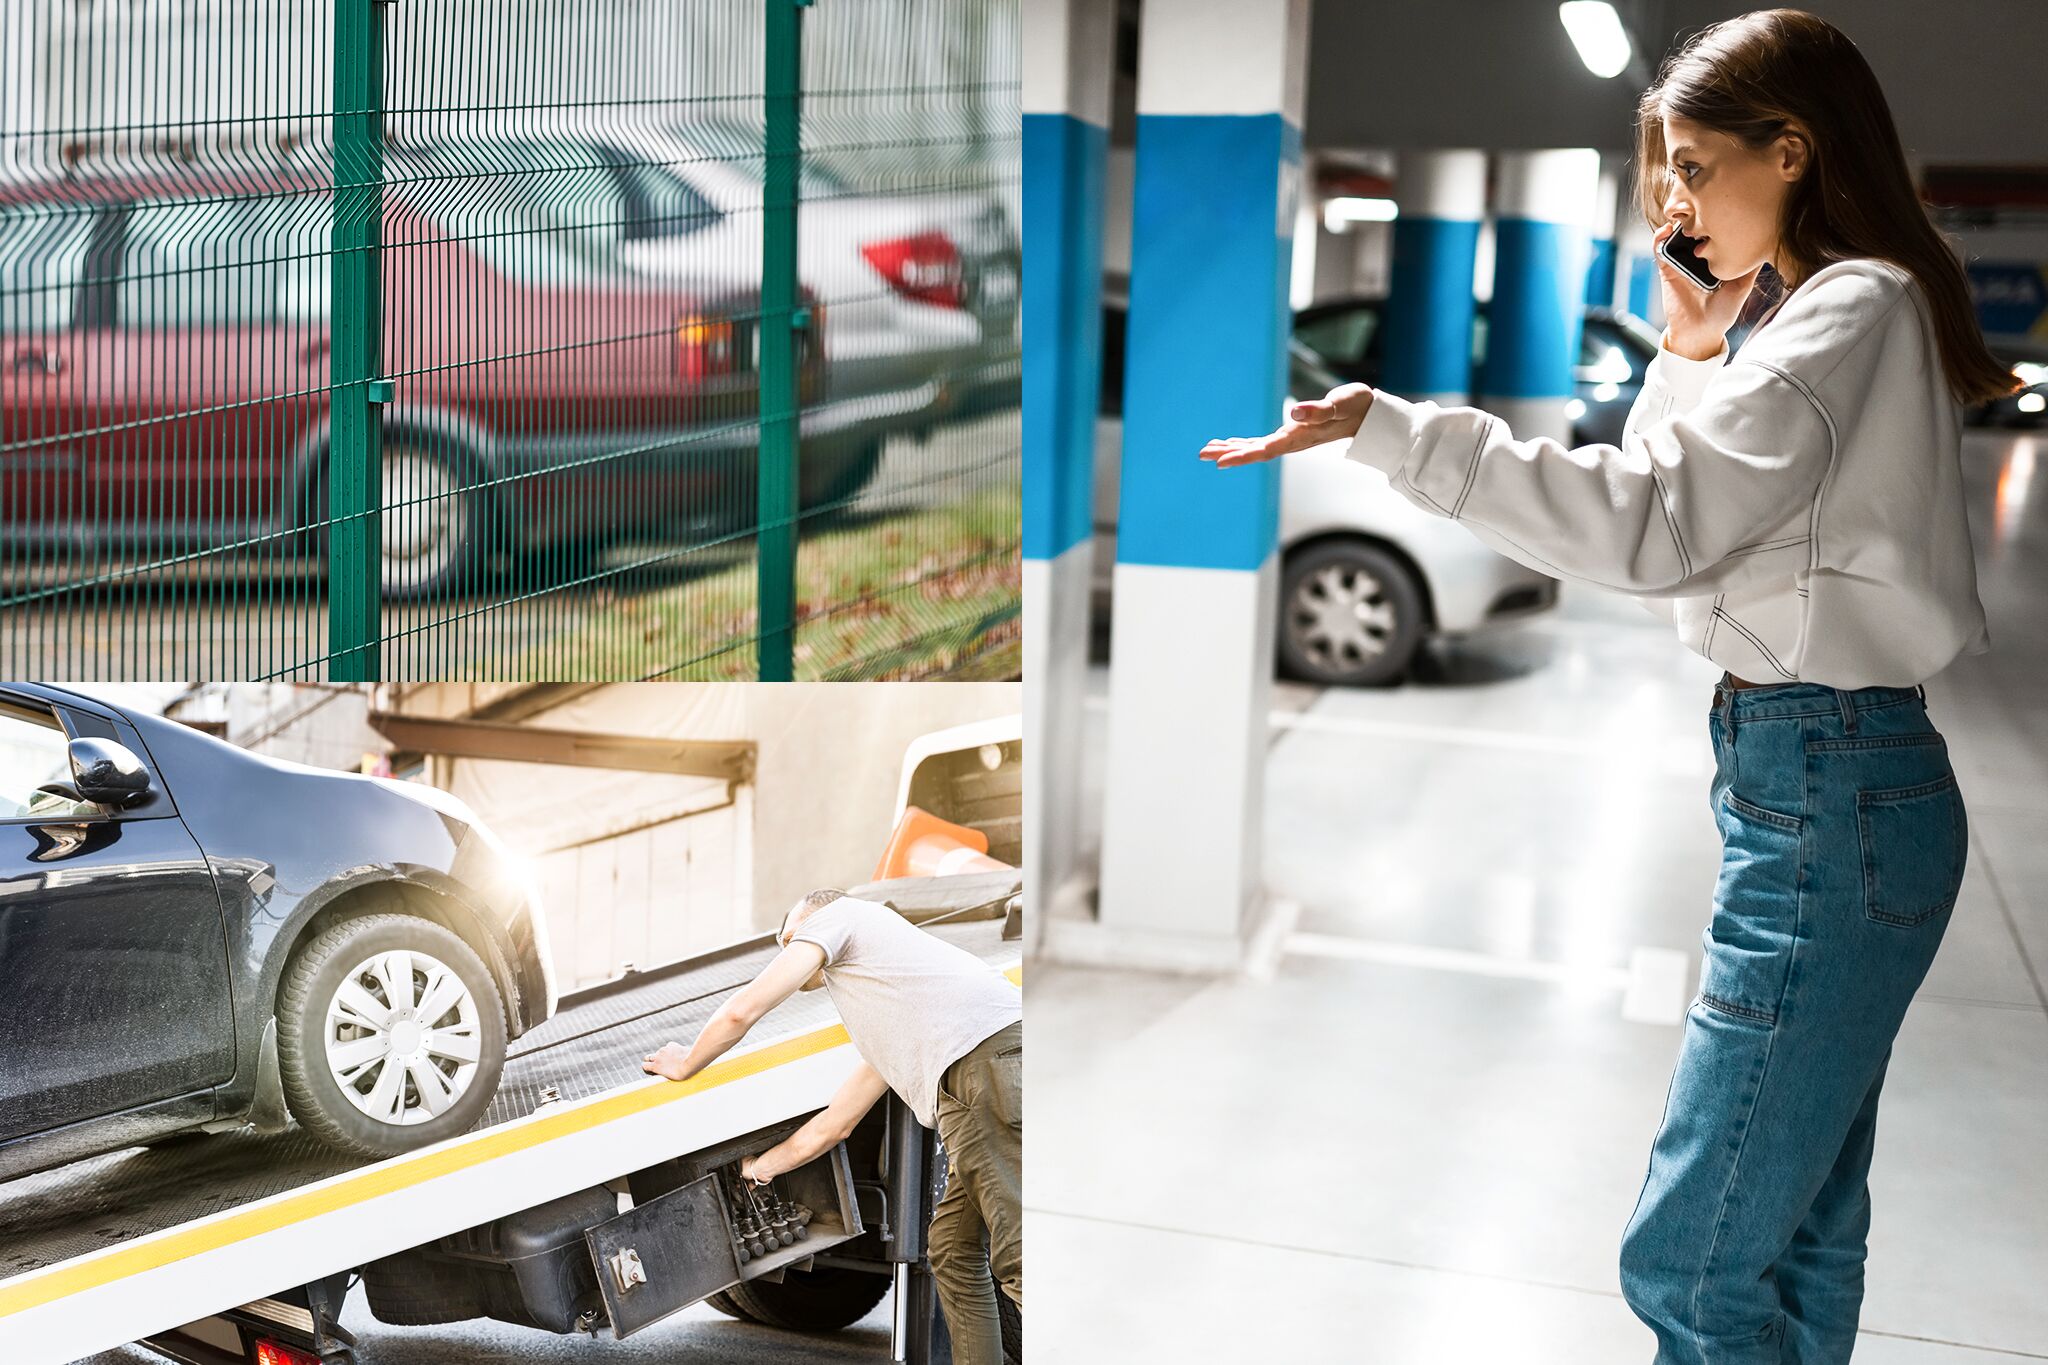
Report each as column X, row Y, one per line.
column 33, row 360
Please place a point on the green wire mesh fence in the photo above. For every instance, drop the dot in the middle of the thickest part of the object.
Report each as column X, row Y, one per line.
column 509, row 339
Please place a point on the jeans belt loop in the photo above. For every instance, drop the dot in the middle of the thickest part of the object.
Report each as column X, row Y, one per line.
column 1848, row 705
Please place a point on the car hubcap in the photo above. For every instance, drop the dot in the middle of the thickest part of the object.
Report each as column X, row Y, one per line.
column 424, row 517
column 403, row 1037
column 1341, row 617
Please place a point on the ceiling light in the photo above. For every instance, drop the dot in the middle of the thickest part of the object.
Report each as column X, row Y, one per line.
column 1597, row 33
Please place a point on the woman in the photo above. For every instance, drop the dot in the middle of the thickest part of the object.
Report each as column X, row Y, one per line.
column 1797, row 514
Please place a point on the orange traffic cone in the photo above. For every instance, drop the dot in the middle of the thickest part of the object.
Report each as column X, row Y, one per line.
column 926, row 846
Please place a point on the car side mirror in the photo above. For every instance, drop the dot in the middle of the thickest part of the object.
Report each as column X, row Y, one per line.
column 106, row 773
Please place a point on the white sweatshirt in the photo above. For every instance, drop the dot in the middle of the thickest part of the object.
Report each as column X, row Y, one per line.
column 1796, row 512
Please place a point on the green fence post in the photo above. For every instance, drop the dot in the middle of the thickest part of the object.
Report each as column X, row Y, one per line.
column 355, row 450
column 775, row 542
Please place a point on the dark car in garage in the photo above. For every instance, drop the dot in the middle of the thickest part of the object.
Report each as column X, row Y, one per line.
column 2024, row 407
column 1615, row 349
column 167, row 347
column 197, row 937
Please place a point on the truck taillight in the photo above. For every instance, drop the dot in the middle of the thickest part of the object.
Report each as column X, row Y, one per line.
column 276, row 1353
column 924, row 266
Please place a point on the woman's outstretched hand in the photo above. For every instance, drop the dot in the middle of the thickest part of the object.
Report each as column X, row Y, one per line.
column 1333, row 417
column 1695, row 319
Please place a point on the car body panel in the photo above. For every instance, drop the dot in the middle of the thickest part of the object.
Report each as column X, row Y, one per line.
column 112, row 947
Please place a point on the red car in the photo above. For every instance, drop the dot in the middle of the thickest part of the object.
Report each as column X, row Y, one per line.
column 165, row 375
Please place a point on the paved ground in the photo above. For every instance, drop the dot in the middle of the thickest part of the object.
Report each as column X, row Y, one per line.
column 1371, row 1158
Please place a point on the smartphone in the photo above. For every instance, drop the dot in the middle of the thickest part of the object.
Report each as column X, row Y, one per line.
column 1683, row 252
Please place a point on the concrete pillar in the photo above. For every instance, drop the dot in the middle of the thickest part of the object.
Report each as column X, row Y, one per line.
column 1218, row 183
column 1440, row 197
column 1600, row 265
column 1069, row 47
column 1539, row 287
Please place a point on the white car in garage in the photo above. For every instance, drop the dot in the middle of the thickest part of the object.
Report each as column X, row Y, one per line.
column 1365, row 576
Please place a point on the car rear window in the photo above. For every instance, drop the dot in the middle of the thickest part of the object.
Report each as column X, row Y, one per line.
column 1345, row 337
column 219, row 261
column 41, row 259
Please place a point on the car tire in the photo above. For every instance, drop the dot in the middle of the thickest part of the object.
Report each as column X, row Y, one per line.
column 847, row 481
column 337, row 1001
column 823, row 1299
column 435, row 529
column 1351, row 615
column 435, row 523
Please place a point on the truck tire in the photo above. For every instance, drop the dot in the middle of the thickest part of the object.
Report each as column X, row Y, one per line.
column 363, row 1069
column 413, row 1290
column 823, row 1299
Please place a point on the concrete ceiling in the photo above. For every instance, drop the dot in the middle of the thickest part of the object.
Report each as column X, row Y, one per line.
column 1965, row 78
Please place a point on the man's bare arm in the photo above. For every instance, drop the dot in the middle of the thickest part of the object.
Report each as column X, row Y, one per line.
column 777, row 982
column 834, row 1123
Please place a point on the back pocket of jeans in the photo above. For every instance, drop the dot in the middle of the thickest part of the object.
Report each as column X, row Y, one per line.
column 1914, row 845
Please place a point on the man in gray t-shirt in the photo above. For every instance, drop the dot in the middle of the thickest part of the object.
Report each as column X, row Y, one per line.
column 941, row 1028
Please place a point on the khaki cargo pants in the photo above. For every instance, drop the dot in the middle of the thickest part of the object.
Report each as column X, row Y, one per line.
column 977, row 1238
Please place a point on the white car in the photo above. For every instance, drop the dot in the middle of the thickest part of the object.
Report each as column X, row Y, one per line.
column 921, row 289
column 1365, row 576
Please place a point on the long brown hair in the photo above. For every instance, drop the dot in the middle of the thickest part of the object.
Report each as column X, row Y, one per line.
column 1748, row 77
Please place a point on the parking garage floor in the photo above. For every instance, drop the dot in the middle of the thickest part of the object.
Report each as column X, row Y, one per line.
column 1415, row 1133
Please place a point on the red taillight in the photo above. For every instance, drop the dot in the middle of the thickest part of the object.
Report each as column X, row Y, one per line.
column 273, row 1353
column 925, row 266
column 704, row 347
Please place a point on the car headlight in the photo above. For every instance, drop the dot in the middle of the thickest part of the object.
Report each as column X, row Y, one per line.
column 2030, row 373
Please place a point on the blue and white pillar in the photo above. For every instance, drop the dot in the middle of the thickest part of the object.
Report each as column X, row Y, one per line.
column 1600, row 265
column 1068, row 51
column 1218, row 182
column 1440, row 198
column 1539, row 288
column 1634, row 244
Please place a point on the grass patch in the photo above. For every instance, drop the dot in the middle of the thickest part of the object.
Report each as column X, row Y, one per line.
column 929, row 592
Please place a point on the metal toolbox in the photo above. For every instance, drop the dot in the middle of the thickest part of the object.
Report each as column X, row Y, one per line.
column 690, row 1242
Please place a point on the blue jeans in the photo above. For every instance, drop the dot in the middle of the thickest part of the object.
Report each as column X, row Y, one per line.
column 1843, row 842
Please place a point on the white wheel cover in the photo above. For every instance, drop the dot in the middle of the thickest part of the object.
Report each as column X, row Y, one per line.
column 403, row 1037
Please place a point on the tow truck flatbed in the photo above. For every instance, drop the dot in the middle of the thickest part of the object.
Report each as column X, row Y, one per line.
column 120, row 1247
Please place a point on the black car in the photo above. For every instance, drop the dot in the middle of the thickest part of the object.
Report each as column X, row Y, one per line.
column 2027, row 407
column 194, row 936
column 1615, row 349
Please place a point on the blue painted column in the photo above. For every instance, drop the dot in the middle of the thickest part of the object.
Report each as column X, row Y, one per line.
column 1642, row 283
column 1632, row 249
column 1215, row 195
column 1541, row 200
column 1440, row 198
column 1069, row 49
column 1600, row 265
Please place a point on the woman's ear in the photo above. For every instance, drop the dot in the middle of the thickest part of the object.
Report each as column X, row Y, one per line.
column 1792, row 150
